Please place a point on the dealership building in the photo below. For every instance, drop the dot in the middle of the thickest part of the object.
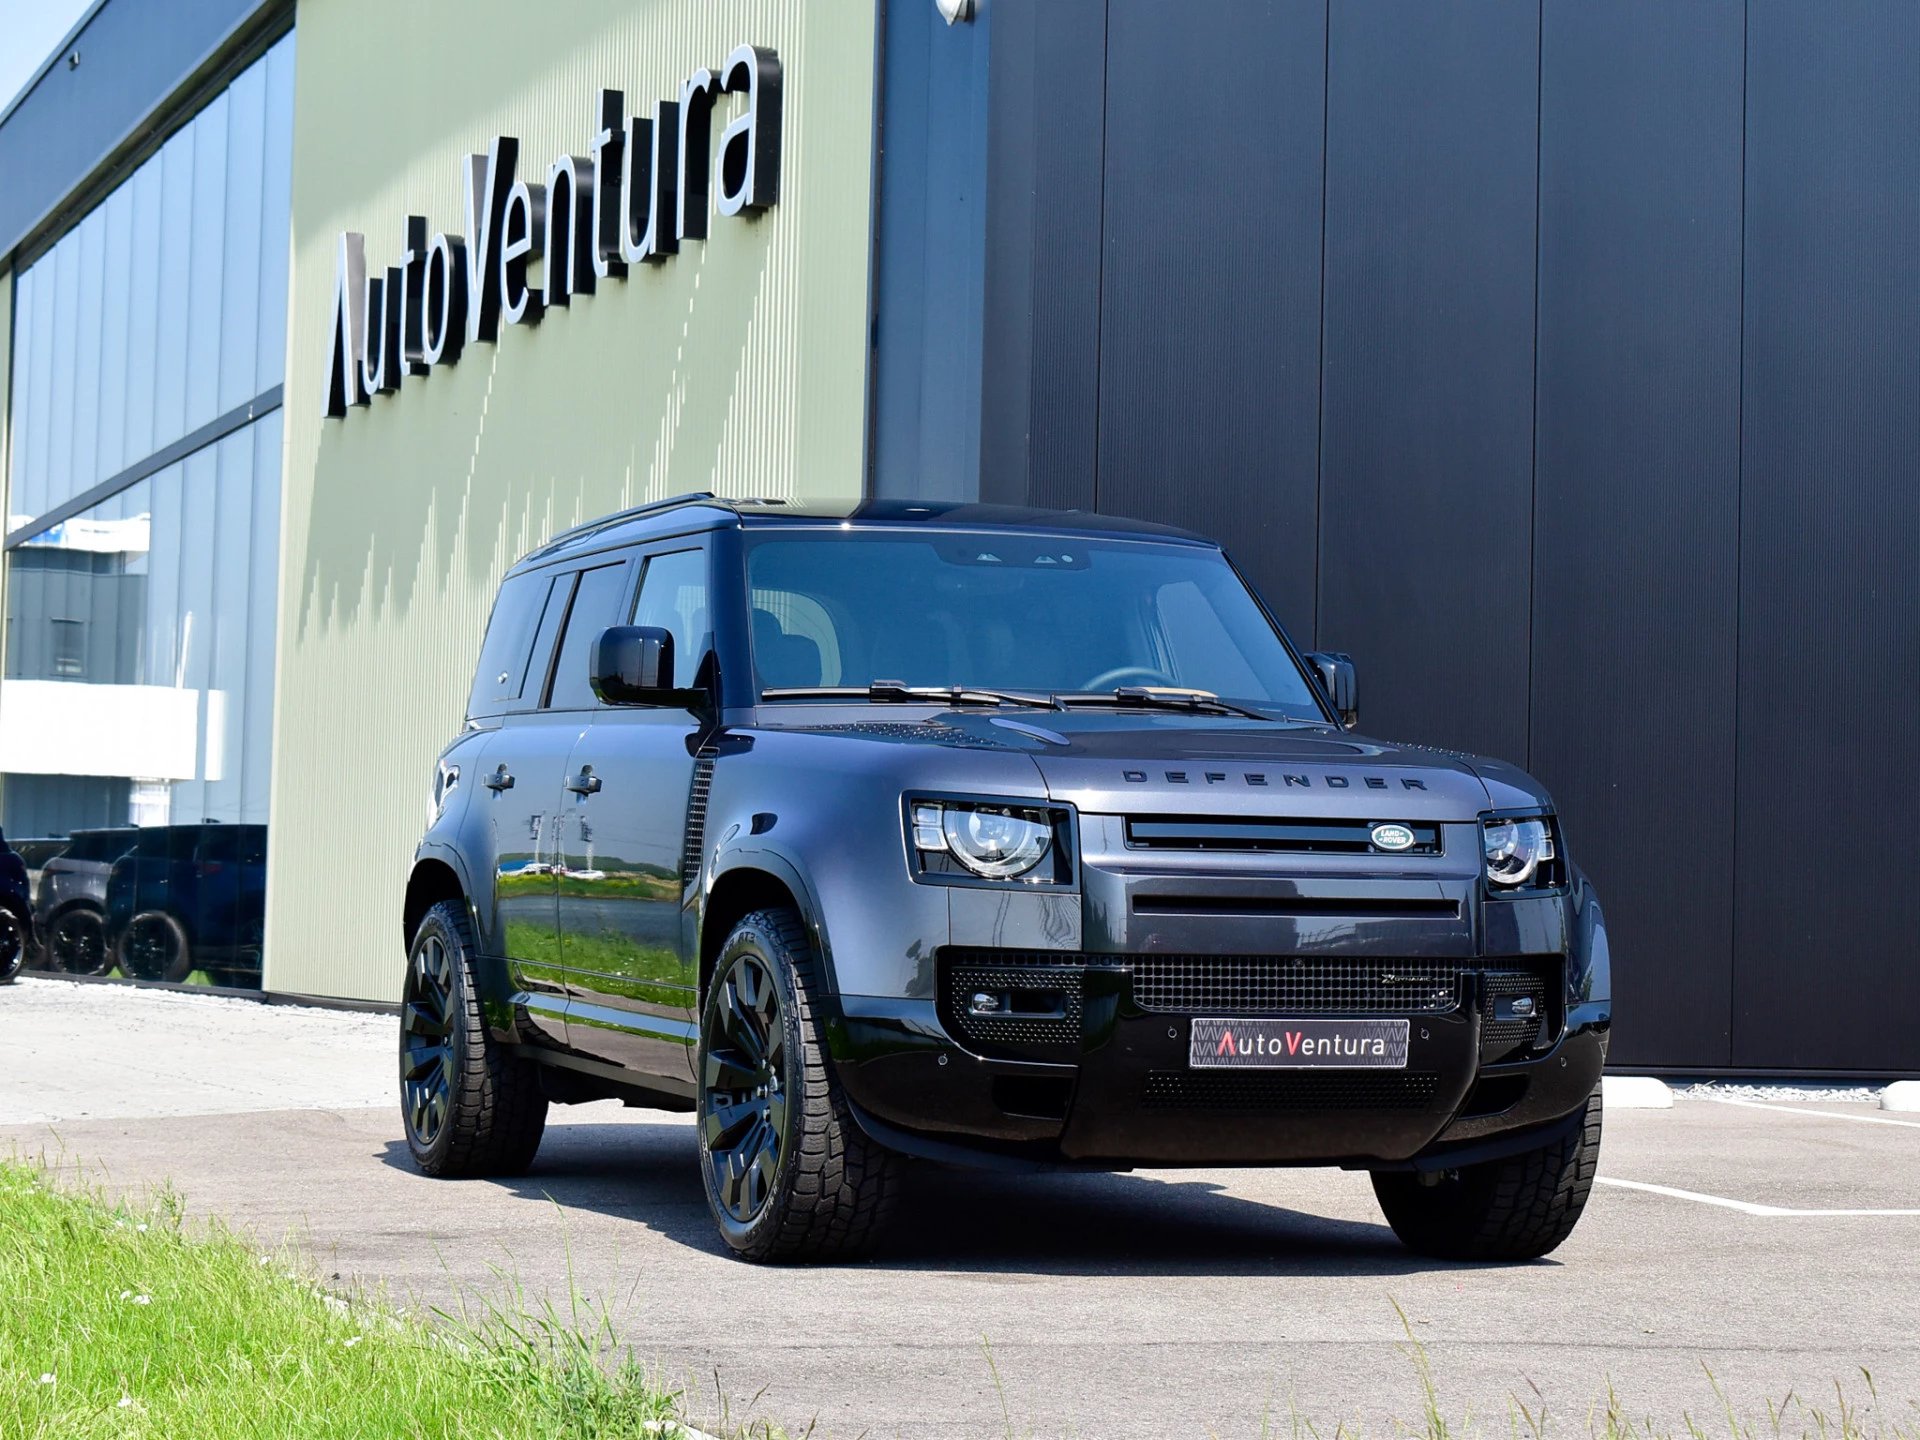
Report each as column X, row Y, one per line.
column 1557, row 359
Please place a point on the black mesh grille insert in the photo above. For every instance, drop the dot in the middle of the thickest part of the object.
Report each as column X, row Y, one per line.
column 1041, row 1020
column 1259, row 985
column 1287, row 1090
column 1500, row 1037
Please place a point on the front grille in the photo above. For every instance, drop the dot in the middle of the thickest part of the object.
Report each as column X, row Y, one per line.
column 1233, row 985
column 1275, row 836
column 1272, row 1090
column 1263, row 985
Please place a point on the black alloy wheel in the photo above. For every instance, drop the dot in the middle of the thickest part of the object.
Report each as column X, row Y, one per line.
column 13, row 945
column 426, row 1041
column 743, row 1100
column 77, row 942
column 789, row 1173
column 154, row 947
column 471, row 1103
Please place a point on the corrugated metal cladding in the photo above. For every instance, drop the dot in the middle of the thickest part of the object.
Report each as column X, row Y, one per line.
column 738, row 366
column 1562, row 362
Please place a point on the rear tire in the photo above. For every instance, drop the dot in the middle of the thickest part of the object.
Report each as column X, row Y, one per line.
column 154, row 947
column 1517, row 1208
column 471, row 1106
column 790, row 1175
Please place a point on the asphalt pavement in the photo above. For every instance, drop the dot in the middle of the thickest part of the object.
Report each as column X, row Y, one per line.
column 1764, row 1249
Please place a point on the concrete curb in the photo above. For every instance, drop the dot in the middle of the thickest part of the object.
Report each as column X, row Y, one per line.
column 1901, row 1095
column 1635, row 1092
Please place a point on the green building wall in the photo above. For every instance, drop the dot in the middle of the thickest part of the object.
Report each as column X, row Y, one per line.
column 737, row 366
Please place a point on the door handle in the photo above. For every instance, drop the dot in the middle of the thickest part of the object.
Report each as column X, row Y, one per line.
column 501, row 779
column 585, row 783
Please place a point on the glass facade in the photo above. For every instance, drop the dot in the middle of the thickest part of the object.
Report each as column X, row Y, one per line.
column 144, row 477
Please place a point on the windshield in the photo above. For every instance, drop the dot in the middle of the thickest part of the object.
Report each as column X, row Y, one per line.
column 1051, row 614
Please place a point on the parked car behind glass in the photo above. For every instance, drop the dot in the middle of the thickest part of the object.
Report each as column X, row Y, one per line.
column 188, row 897
column 70, row 906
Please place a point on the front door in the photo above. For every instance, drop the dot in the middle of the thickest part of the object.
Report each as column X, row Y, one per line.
column 625, row 936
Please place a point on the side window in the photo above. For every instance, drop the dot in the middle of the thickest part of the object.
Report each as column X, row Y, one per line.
column 506, row 655
column 673, row 596
column 596, row 605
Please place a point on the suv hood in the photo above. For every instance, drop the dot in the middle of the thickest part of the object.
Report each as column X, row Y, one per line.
column 1159, row 763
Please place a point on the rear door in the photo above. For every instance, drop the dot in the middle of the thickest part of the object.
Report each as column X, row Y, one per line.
column 624, row 931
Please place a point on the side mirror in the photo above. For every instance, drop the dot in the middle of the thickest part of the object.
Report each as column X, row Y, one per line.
column 1336, row 675
column 633, row 665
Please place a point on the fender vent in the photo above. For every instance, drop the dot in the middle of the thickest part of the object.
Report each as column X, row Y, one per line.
column 697, row 817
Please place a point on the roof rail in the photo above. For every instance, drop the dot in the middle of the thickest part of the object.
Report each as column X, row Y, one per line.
column 602, row 522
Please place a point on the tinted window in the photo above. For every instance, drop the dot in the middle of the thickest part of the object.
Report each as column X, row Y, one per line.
column 596, row 605
column 673, row 596
column 500, row 679
column 1054, row 614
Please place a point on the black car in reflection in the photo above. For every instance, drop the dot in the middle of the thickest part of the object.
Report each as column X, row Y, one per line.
column 189, row 897
column 70, row 903
column 16, row 913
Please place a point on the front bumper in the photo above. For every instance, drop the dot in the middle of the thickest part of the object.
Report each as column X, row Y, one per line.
column 1128, row 1095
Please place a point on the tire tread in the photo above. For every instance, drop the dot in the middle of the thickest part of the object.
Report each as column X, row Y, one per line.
column 497, row 1111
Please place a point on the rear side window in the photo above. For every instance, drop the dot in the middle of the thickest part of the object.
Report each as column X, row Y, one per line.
column 596, row 605
column 506, row 668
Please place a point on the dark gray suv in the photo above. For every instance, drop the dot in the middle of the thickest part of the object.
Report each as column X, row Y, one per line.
column 980, row 835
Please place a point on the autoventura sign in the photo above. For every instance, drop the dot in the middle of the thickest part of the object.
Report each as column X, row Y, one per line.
column 639, row 193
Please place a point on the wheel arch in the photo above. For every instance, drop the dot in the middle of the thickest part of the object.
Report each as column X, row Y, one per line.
column 751, row 881
column 431, row 881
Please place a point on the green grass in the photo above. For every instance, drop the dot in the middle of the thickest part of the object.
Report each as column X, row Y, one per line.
column 124, row 1321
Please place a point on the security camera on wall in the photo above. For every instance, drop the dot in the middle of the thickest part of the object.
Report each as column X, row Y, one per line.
column 955, row 10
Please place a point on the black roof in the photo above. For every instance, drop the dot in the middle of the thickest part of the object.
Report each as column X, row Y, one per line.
column 705, row 511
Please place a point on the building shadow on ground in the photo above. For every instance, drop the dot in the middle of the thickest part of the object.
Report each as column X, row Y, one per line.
column 988, row 1222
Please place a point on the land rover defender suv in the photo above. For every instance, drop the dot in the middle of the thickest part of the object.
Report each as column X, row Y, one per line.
column 974, row 835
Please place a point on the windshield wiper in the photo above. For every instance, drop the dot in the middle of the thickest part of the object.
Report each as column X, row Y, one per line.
column 898, row 692
column 1163, row 697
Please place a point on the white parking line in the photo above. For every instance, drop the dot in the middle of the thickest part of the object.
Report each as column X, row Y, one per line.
column 1745, row 1207
column 1796, row 1110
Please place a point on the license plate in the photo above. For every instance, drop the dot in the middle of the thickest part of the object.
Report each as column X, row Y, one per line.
column 1298, row 1045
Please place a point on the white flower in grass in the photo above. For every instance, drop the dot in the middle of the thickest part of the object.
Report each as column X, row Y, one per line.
column 125, row 1401
column 353, row 1340
column 141, row 1228
column 47, row 1378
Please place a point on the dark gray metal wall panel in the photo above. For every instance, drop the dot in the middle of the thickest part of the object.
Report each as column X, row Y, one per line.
column 1638, row 490
column 1039, row 385
column 1210, row 291
column 1825, row 973
column 133, row 55
column 929, row 266
column 1427, row 411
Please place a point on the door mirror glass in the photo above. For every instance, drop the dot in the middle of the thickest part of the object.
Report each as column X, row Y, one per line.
column 1336, row 675
column 633, row 665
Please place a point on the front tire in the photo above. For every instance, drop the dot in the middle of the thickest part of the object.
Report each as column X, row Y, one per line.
column 77, row 942
column 470, row 1105
column 790, row 1175
column 1517, row 1208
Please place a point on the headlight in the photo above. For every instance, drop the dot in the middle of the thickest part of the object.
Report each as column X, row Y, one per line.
column 995, row 842
column 1518, row 851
